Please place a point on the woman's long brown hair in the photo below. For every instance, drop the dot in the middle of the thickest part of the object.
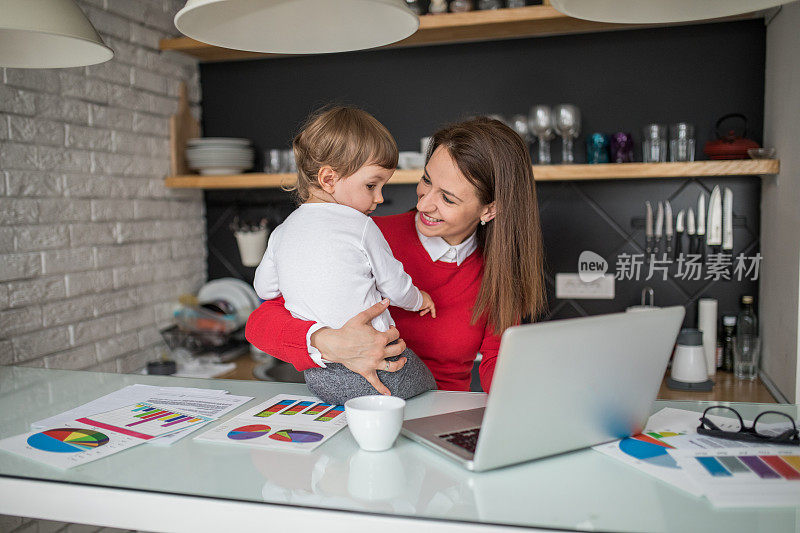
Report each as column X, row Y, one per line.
column 496, row 162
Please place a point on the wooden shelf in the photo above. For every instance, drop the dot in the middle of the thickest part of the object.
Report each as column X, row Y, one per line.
column 473, row 26
column 541, row 173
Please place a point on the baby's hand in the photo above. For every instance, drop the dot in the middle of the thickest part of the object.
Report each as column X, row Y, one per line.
column 427, row 305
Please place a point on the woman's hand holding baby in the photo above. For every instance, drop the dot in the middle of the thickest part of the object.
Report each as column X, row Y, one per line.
column 362, row 348
column 427, row 305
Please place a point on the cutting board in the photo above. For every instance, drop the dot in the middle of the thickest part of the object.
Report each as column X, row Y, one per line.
column 182, row 127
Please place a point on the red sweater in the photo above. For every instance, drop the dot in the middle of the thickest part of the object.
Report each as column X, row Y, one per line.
column 447, row 343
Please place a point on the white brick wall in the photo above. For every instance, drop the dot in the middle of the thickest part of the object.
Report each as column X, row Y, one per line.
column 94, row 250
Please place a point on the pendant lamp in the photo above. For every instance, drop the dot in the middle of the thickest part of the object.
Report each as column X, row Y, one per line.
column 297, row 26
column 48, row 34
column 659, row 11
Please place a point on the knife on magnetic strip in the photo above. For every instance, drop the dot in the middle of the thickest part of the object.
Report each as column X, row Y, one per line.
column 714, row 237
column 648, row 229
column 727, row 221
column 679, row 234
column 700, row 242
column 668, row 229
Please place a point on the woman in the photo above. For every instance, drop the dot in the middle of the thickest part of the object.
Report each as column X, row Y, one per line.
column 474, row 244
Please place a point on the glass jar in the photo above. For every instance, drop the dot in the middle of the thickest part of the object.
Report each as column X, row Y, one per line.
column 681, row 142
column 654, row 143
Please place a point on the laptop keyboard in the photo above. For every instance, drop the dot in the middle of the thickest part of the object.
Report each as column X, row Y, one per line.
column 466, row 438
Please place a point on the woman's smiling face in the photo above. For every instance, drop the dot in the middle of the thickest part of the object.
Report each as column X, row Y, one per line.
column 447, row 202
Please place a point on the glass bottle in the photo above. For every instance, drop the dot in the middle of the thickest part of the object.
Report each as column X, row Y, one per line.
column 728, row 334
column 746, row 347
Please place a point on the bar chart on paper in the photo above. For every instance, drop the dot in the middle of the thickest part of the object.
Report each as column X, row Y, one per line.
column 143, row 421
column 785, row 467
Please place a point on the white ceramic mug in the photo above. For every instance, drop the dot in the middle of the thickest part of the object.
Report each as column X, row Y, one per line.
column 375, row 421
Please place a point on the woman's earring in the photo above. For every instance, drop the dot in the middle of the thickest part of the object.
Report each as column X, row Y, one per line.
column 483, row 222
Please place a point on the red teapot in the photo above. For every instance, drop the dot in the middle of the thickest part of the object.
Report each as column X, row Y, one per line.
column 730, row 146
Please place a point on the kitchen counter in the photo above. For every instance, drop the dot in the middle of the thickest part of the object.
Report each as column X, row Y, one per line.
column 197, row 487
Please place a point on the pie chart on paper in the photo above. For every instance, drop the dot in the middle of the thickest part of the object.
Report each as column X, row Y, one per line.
column 648, row 450
column 293, row 435
column 249, row 432
column 67, row 440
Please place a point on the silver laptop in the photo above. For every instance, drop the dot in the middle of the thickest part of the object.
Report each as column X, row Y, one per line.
column 560, row 386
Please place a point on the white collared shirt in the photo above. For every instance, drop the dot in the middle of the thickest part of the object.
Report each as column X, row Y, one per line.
column 440, row 250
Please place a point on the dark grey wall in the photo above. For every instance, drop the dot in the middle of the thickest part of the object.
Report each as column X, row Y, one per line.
column 620, row 80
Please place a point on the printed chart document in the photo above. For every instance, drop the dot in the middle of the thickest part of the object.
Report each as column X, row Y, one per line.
column 208, row 403
column 284, row 422
column 727, row 472
column 747, row 476
column 68, row 445
column 93, row 437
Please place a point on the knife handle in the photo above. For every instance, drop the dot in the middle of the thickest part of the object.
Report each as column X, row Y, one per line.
column 678, row 244
column 669, row 246
column 648, row 246
column 656, row 245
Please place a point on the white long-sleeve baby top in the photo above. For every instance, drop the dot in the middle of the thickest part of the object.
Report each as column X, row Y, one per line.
column 330, row 262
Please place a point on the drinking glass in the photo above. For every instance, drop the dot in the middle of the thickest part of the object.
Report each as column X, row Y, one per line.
column 622, row 147
column 272, row 161
column 540, row 125
column 568, row 125
column 288, row 163
column 597, row 148
column 681, row 142
column 654, row 143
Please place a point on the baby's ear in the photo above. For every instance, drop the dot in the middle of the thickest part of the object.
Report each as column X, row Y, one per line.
column 327, row 178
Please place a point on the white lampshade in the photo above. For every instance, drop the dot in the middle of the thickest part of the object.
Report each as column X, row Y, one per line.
column 297, row 26
column 48, row 34
column 659, row 11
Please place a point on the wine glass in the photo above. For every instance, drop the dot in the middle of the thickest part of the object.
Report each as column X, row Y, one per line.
column 540, row 124
column 519, row 123
column 568, row 125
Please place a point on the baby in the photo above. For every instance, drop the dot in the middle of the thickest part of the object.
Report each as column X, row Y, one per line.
column 329, row 260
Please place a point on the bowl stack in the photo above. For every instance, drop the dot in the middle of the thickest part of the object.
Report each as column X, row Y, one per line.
column 214, row 156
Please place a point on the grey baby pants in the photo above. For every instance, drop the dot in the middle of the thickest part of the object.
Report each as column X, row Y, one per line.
column 336, row 383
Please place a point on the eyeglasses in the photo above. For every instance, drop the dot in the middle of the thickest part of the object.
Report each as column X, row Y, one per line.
column 769, row 427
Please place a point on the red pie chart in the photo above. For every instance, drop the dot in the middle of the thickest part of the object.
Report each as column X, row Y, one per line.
column 248, row 432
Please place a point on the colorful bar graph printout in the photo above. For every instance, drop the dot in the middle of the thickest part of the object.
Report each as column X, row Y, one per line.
column 143, row 421
column 296, row 408
column 147, row 414
column 317, row 409
column 330, row 414
column 275, row 408
column 764, row 466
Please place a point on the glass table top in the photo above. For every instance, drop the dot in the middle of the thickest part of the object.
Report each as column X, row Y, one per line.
column 583, row 490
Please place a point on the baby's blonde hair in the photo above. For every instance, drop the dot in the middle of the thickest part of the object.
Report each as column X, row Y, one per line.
column 344, row 138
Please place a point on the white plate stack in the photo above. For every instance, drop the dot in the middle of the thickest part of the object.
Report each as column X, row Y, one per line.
column 214, row 156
